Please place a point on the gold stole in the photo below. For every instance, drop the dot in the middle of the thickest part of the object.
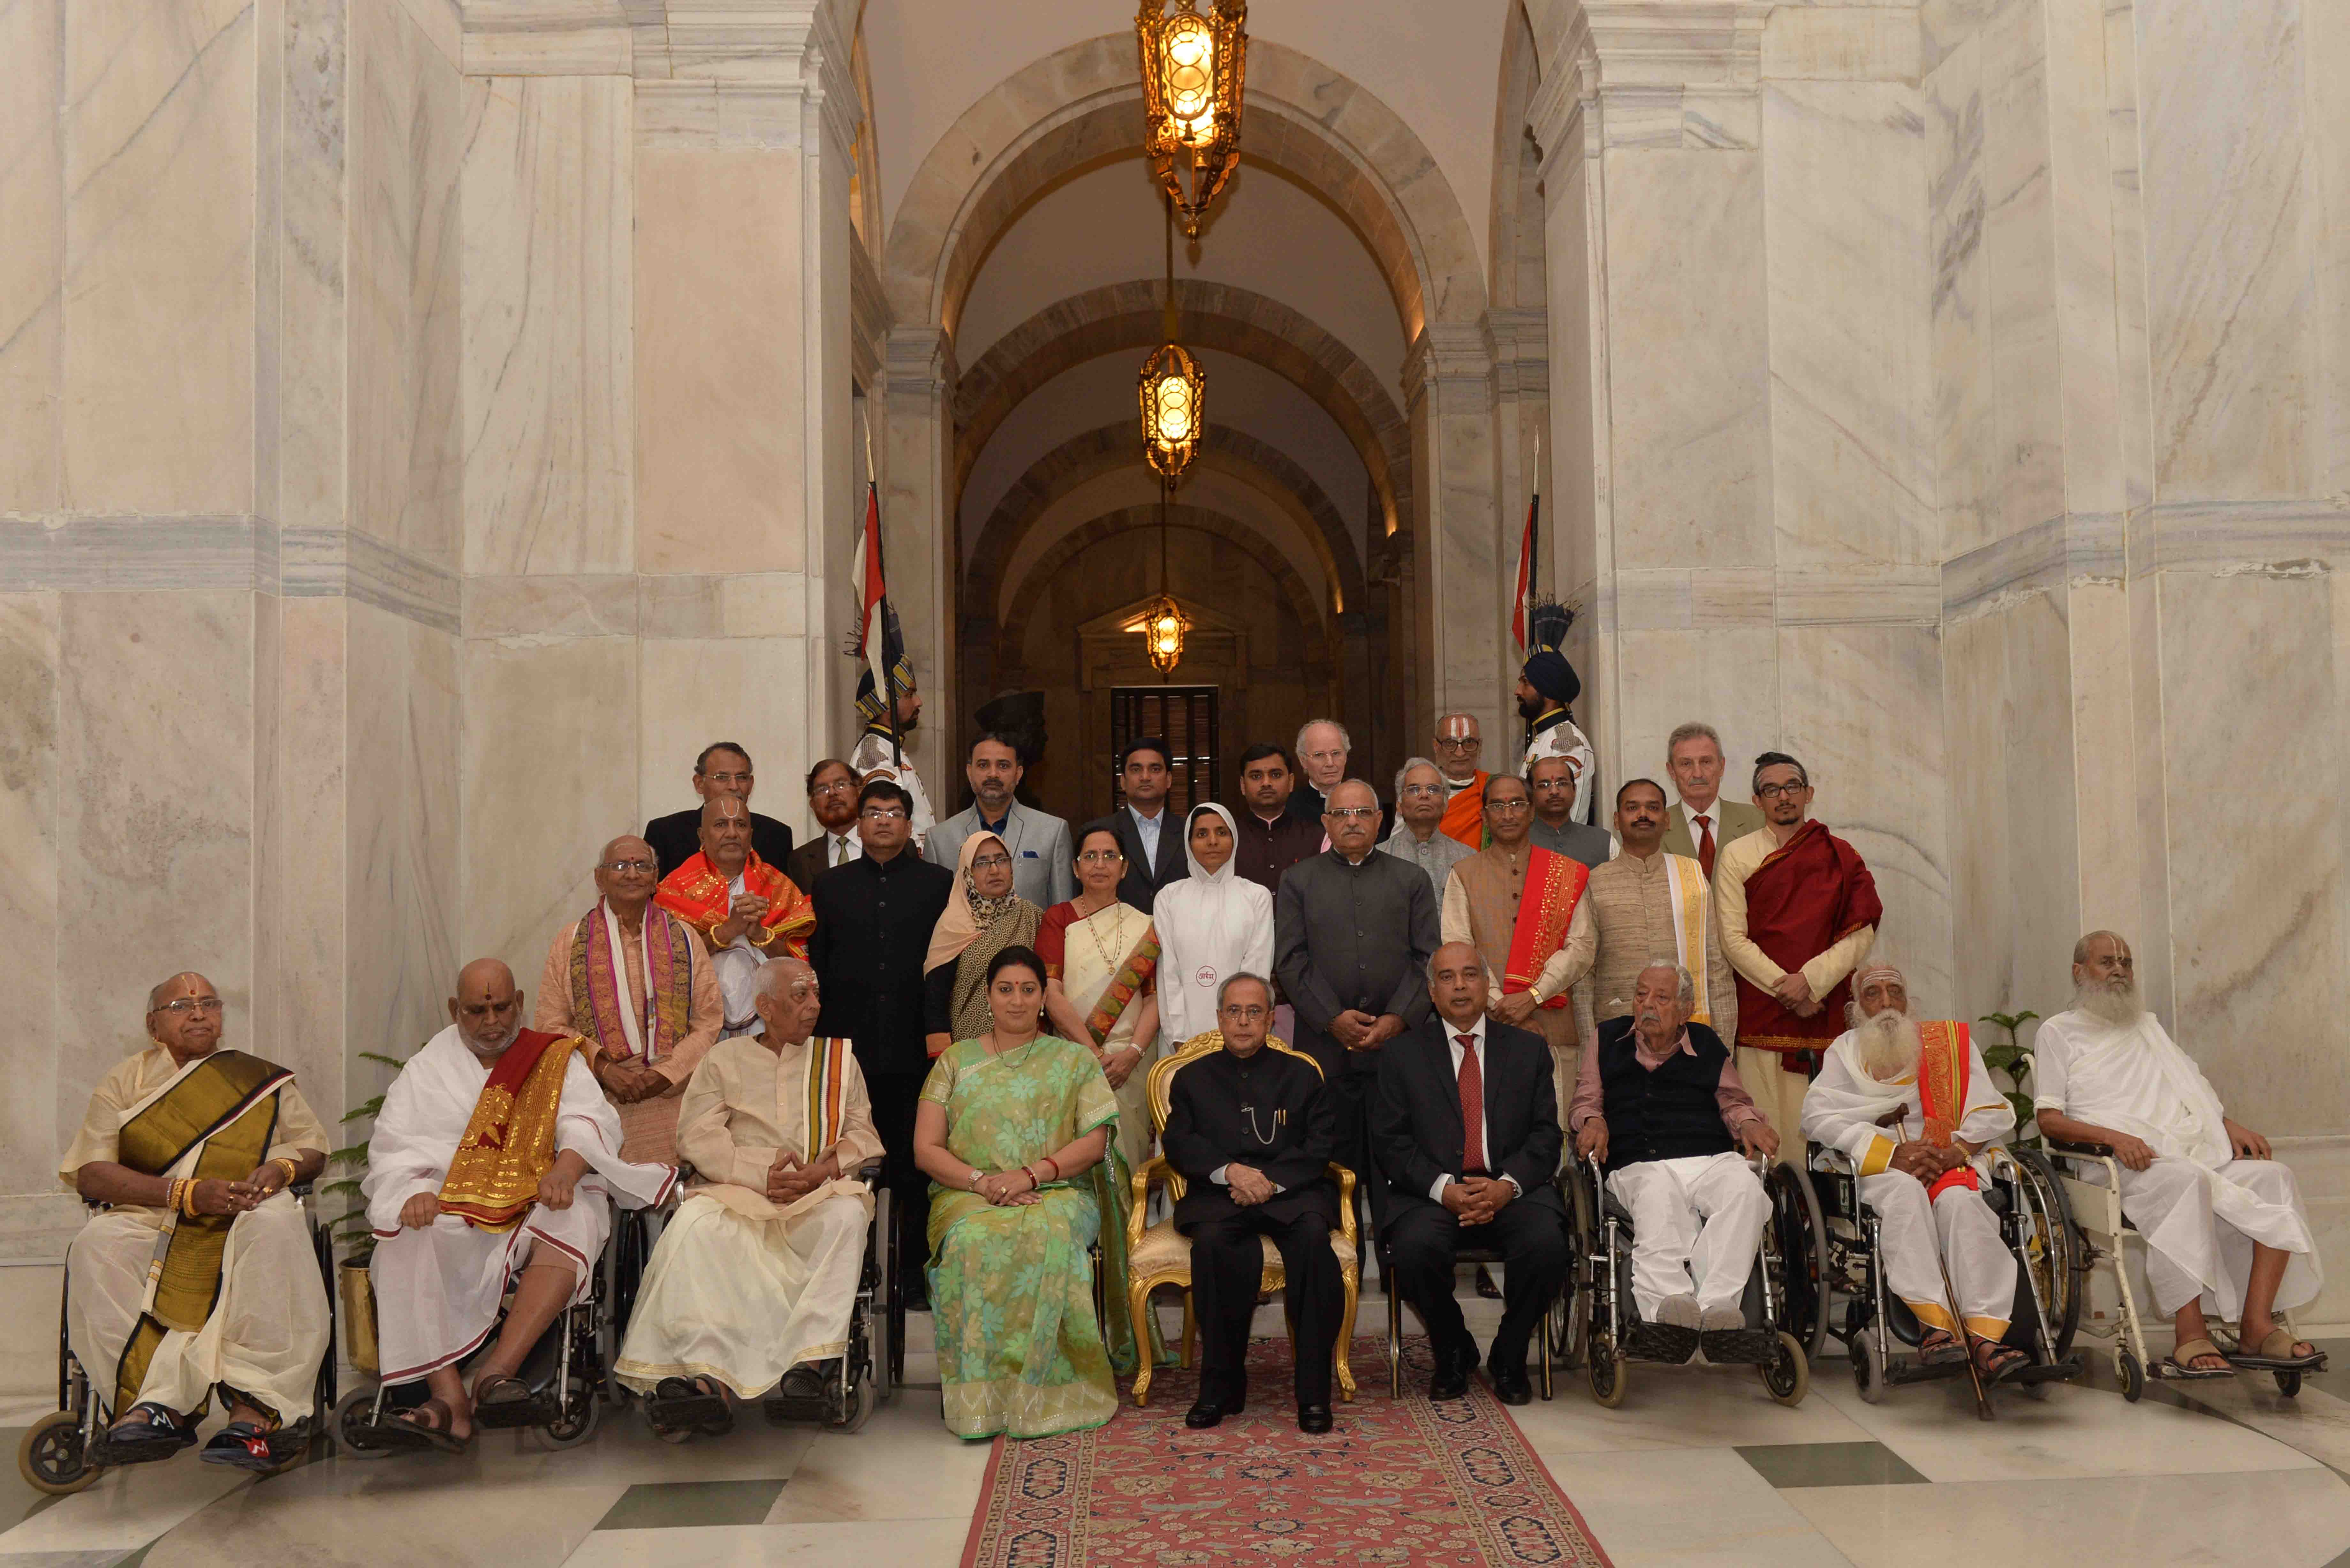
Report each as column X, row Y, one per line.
column 222, row 1109
column 509, row 1140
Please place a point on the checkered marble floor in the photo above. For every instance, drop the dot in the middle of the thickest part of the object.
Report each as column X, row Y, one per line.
column 1696, row 1468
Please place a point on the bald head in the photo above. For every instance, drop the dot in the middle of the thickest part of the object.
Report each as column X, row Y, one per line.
column 1456, row 984
column 193, row 1029
column 627, row 872
column 788, row 1001
column 487, row 1009
column 726, row 835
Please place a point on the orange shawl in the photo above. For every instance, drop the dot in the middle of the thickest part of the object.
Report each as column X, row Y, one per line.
column 696, row 893
column 1464, row 814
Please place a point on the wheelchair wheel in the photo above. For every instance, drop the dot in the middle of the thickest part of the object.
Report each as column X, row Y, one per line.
column 2055, row 1253
column 1868, row 1365
column 1608, row 1371
column 1799, row 1232
column 859, row 1409
column 578, row 1424
column 51, row 1458
column 1788, row 1375
column 349, row 1424
column 2288, row 1382
column 2132, row 1376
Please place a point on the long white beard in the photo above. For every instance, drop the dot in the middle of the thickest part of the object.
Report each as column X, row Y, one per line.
column 1888, row 1047
column 2117, row 1003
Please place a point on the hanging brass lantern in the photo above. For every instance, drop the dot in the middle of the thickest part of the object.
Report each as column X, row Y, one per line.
column 1192, row 66
column 1163, row 626
column 1174, row 406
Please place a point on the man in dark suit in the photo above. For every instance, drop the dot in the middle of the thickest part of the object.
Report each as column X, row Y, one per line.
column 874, row 918
column 1149, row 835
column 1250, row 1130
column 1466, row 1130
column 722, row 768
column 832, row 801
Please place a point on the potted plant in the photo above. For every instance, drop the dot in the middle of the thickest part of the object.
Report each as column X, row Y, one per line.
column 355, row 1288
column 2008, row 1062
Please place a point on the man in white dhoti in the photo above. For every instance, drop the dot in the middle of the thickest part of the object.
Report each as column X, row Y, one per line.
column 495, row 1160
column 753, row 1281
column 2224, row 1226
column 1913, row 1106
column 1658, row 1103
column 201, row 1276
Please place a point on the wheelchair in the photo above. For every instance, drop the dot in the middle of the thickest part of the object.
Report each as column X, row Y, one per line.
column 1605, row 1332
column 1547, row 1338
column 2090, row 1176
column 2035, row 1222
column 65, row 1450
column 874, row 1362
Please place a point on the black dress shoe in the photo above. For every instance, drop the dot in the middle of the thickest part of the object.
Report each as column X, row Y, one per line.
column 1514, row 1387
column 1314, row 1419
column 1451, row 1381
column 1206, row 1412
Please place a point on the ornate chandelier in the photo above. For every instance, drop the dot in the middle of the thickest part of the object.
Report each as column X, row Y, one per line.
column 1192, row 66
column 1174, row 390
column 1163, row 626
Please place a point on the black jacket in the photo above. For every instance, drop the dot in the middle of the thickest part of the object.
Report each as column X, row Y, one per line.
column 1266, row 849
column 1416, row 1127
column 1141, row 885
column 1352, row 937
column 873, row 925
column 1221, row 1109
column 676, row 838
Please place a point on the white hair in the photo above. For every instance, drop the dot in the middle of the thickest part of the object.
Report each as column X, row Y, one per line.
column 1345, row 741
column 1405, row 772
column 1685, row 983
column 1231, row 981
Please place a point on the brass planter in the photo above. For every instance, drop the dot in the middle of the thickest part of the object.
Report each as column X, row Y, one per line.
column 355, row 1289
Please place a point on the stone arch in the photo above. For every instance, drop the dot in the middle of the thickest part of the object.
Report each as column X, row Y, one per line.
column 1082, row 458
column 1238, row 321
column 1079, row 103
column 1014, row 633
column 1517, row 243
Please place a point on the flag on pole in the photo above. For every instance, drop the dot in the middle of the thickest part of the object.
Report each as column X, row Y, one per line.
column 880, row 642
column 1525, row 570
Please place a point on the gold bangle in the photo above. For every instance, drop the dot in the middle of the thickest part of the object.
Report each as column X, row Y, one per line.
column 188, row 1197
column 171, row 1187
column 293, row 1172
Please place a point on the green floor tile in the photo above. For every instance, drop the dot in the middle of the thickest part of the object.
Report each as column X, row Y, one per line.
column 1786, row 1465
column 667, row 1505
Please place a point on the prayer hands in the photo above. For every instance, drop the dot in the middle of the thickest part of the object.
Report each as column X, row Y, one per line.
column 2136, row 1154
column 1794, row 990
column 556, row 1187
column 1591, row 1139
column 1119, row 1066
column 2248, row 1143
column 1516, row 1008
column 1249, row 1185
column 420, row 1211
column 1758, row 1138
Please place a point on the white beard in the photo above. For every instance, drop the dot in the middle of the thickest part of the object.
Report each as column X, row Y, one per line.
column 2118, row 1004
column 1888, row 1047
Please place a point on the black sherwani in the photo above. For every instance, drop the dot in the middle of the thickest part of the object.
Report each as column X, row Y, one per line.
column 873, row 925
column 1417, row 1133
column 1269, row 1112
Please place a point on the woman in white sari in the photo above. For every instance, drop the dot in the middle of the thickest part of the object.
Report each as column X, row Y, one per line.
column 1215, row 925
column 1101, row 986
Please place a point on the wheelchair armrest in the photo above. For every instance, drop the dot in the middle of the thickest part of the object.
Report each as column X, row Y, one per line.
column 1829, row 1161
column 868, row 1173
column 2085, row 1150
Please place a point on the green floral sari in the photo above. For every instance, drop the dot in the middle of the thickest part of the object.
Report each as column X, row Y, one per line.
column 1019, row 1350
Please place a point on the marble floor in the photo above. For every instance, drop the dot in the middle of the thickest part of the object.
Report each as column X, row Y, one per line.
column 1696, row 1468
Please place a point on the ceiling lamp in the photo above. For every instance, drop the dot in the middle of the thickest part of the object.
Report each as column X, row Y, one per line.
column 1173, row 389
column 1191, row 70
column 1163, row 626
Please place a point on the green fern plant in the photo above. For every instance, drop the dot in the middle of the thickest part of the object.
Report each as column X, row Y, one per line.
column 2011, row 1060
column 350, row 1228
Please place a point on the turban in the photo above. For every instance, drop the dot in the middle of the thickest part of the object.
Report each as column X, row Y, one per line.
column 1549, row 674
column 871, row 705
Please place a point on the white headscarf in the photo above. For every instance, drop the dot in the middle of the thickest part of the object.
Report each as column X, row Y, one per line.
column 1214, row 922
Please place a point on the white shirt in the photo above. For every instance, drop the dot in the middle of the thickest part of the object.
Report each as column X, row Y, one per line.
column 840, row 848
column 1147, row 829
column 738, row 973
column 1476, row 1033
column 1711, row 812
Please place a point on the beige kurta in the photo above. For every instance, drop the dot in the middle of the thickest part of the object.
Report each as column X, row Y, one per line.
column 1481, row 907
column 1626, row 921
column 739, row 1288
column 269, row 1328
column 648, row 1128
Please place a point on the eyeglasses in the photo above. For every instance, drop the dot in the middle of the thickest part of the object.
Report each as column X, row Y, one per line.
column 883, row 813
column 1422, row 789
column 1250, row 1013
column 1354, row 812
column 834, row 786
column 1498, row 805
column 1773, row 792
column 1466, row 744
column 1099, row 857
column 742, row 778
column 990, row 862
column 622, row 868
column 187, row 1005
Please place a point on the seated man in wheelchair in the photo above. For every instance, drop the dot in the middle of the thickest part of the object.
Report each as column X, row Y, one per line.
column 1659, row 1104
column 2224, row 1225
column 494, row 1160
column 192, row 1149
column 751, row 1283
column 1912, row 1107
column 1465, row 1128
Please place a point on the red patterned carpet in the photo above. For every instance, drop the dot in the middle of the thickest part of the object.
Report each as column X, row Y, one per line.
column 1399, row 1481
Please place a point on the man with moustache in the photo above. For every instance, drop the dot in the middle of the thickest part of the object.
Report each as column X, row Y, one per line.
column 832, row 801
column 1547, row 687
column 1251, row 1130
column 1459, row 746
column 1909, row 1103
column 192, row 1147
column 493, row 1163
column 1270, row 840
column 1553, row 782
column 1643, row 904
column 879, row 754
column 1701, row 821
column 1660, row 1107
column 1039, row 843
column 2225, row 1227
column 723, row 768
column 1150, row 836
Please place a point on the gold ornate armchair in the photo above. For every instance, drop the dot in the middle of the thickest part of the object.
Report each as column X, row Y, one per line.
column 1162, row 1255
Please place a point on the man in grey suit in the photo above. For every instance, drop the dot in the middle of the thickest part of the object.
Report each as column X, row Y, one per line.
column 1042, row 869
column 1701, row 822
column 1353, row 931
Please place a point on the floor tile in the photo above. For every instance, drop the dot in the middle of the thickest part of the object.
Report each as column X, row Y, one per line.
column 1787, row 1465
column 1699, row 1507
column 667, row 1505
column 904, row 1464
column 1675, row 1407
column 916, row 1543
column 125, row 1509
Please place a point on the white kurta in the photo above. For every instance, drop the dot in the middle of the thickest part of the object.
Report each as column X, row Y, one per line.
column 737, row 964
column 2199, row 1207
column 1841, row 1111
column 1212, row 926
column 739, row 1288
column 438, row 1289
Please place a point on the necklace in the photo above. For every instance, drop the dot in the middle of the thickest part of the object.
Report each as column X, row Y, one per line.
column 1005, row 1053
column 1109, row 962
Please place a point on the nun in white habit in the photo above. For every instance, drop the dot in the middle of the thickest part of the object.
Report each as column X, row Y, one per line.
column 1212, row 924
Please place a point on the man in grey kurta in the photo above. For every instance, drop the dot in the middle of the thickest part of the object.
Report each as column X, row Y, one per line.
column 1353, row 932
column 1420, row 836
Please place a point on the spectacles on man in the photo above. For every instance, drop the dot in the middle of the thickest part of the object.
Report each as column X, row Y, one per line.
column 1422, row 789
column 883, row 813
column 1773, row 791
column 1520, row 805
column 1247, row 1013
column 989, row 862
column 1354, row 812
column 1459, row 744
column 187, row 1005
column 622, row 868
column 834, row 786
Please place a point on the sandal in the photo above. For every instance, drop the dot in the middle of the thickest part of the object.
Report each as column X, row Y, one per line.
column 244, row 1443
column 503, row 1402
column 1998, row 1361
column 426, row 1426
column 2180, row 1362
column 698, row 1405
column 146, row 1433
column 2277, row 1353
column 1940, row 1348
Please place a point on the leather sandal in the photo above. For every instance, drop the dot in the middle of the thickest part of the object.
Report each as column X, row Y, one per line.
column 2180, row 1362
column 2274, row 1353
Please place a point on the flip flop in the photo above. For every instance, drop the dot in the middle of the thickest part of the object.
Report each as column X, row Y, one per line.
column 157, row 1434
column 501, row 1402
column 2005, row 1364
column 2180, row 1362
column 406, row 1432
column 242, row 1444
column 2276, row 1353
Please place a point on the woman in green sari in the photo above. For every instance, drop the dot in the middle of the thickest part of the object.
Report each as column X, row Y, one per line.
column 1014, row 1131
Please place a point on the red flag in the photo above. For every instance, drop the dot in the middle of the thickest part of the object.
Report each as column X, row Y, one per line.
column 1526, row 572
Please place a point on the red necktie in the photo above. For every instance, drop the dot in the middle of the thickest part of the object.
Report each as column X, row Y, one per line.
column 1472, row 1107
column 1705, row 846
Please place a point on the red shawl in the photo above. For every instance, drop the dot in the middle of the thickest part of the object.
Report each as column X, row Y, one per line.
column 696, row 893
column 1811, row 893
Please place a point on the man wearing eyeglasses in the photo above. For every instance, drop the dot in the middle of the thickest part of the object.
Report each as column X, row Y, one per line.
column 832, row 786
column 874, row 917
column 1459, row 744
column 722, row 768
column 1798, row 911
